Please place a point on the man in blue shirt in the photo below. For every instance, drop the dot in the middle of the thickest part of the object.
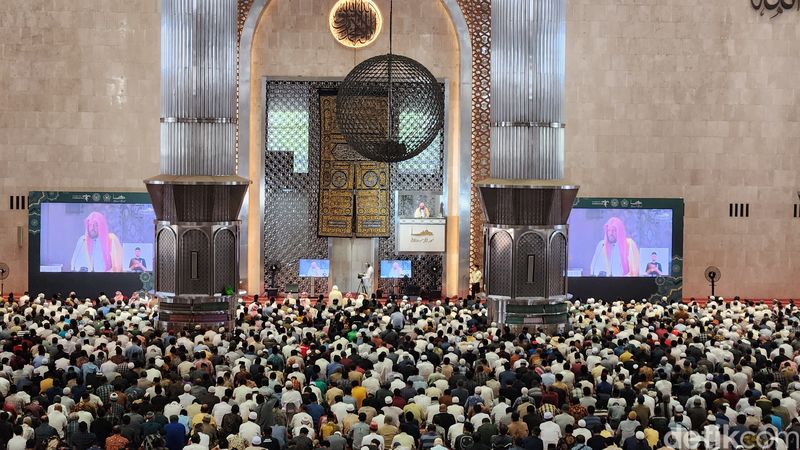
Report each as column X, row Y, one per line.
column 174, row 434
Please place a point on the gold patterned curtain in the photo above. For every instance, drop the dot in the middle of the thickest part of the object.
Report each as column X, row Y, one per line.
column 353, row 191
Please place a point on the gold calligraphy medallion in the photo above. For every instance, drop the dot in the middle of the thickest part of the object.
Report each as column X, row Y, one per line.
column 355, row 23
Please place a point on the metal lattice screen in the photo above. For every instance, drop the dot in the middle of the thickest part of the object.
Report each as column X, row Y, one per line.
column 292, row 161
column 500, row 254
column 224, row 256
column 558, row 265
column 424, row 172
column 195, row 241
column 167, row 260
column 292, row 197
column 530, row 251
column 288, row 123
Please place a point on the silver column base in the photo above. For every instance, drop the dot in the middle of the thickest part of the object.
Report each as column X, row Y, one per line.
column 180, row 312
column 550, row 315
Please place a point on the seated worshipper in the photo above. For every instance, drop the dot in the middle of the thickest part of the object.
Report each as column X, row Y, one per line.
column 84, row 373
column 334, row 297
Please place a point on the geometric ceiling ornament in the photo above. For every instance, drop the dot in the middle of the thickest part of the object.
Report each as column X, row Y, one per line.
column 355, row 23
column 389, row 108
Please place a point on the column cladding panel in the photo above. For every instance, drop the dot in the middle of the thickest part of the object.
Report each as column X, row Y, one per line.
column 527, row 83
column 530, row 244
column 195, row 241
column 166, row 259
column 557, row 268
column 501, row 246
column 198, row 87
column 224, row 257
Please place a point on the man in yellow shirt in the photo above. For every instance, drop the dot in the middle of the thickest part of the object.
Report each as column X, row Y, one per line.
column 45, row 384
column 651, row 435
column 475, row 278
column 414, row 409
column 203, row 414
column 328, row 428
column 625, row 356
column 358, row 392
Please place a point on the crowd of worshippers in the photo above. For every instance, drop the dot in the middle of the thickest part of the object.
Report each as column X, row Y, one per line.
column 346, row 373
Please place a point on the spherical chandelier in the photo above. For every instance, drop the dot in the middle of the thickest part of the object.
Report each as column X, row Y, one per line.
column 390, row 108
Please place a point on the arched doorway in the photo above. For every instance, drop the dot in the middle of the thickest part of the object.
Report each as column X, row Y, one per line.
column 251, row 136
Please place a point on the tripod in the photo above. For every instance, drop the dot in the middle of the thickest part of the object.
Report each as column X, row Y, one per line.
column 3, row 276
column 362, row 289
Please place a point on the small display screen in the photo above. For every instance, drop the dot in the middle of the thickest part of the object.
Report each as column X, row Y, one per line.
column 395, row 269
column 315, row 268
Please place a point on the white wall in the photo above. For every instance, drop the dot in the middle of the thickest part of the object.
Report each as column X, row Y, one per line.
column 79, row 90
column 677, row 98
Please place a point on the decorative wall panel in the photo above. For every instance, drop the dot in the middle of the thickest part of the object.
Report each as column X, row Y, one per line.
column 530, row 251
column 224, row 250
column 195, row 281
column 292, row 199
column 558, row 263
column 478, row 14
column 346, row 179
column 244, row 8
column 336, row 199
column 372, row 199
column 500, row 269
column 166, row 259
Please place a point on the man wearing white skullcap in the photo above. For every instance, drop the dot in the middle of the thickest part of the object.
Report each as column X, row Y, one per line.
column 250, row 428
column 550, row 432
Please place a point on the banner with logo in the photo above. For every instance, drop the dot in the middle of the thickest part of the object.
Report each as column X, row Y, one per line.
column 421, row 235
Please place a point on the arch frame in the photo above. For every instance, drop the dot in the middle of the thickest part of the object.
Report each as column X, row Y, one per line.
column 251, row 262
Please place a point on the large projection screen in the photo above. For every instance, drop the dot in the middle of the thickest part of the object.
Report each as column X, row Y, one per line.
column 629, row 248
column 90, row 242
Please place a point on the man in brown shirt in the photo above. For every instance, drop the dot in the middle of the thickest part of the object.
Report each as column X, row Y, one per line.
column 642, row 412
column 517, row 429
column 388, row 430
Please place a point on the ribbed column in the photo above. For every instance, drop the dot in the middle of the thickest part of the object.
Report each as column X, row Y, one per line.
column 527, row 104
column 198, row 87
column 197, row 196
column 525, row 197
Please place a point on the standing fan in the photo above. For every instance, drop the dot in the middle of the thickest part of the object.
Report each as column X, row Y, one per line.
column 4, row 271
column 713, row 275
